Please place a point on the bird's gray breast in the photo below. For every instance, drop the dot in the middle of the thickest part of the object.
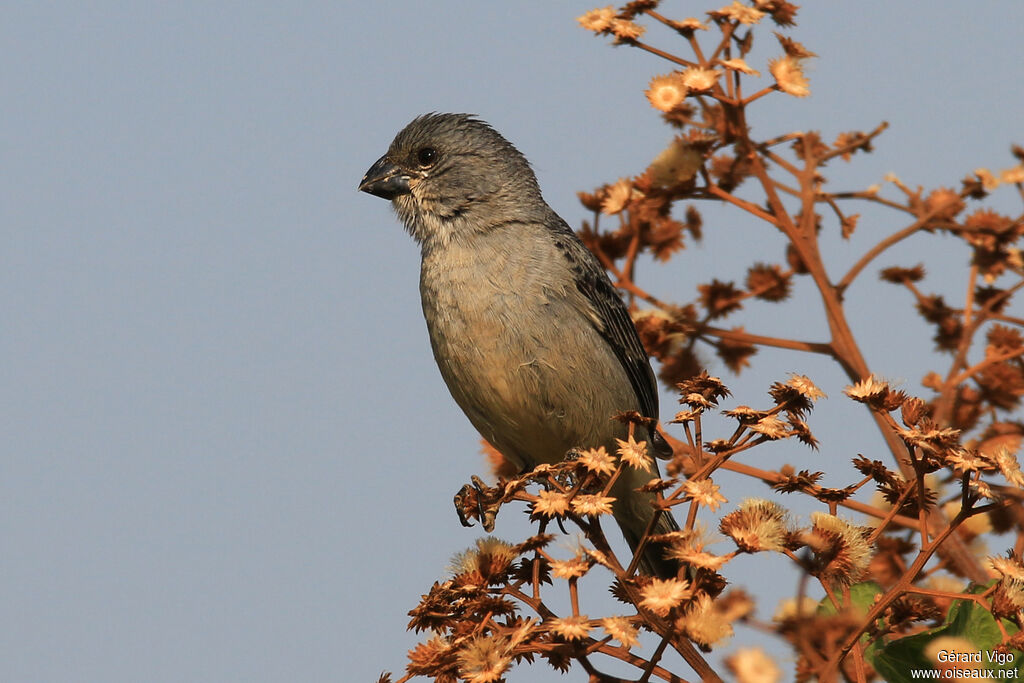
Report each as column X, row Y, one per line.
column 514, row 343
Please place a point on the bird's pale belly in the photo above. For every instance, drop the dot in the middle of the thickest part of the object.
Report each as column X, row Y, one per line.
column 531, row 394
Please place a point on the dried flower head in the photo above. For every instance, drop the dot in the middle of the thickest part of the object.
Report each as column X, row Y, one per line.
column 597, row 20
column 736, row 604
column 739, row 64
column 696, row 401
column 913, row 411
column 695, row 536
column 571, row 628
column 704, row 492
column 704, row 623
column 686, row 416
column 719, row 445
column 898, row 275
column 867, row 390
column 793, row 48
column 756, row 525
column 592, row 504
column 1008, row 598
column 1014, row 174
column 789, row 76
column 622, row 630
column 1000, row 337
column 944, row 203
column 983, row 490
column 1007, row 463
column 1008, row 567
column 433, row 657
column 720, row 298
column 597, row 556
column 709, row 388
column 665, row 93
column 738, row 12
column 967, row 461
column 797, row 395
column 988, row 180
column 490, row 557
column 771, row 427
column 689, row 24
column 804, row 480
column 745, row 414
column 698, row 79
column 634, row 454
column 661, row 596
column 626, row 30
column 550, row 504
column 805, row 387
column 841, row 549
column 617, row 197
column 931, row 439
column 768, row 282
column 572, row 568
column 598, row 461
column 876, row 393
column 688, row 546
column 484, row 659
column 752, row 665
column 526, row 629
column 802, row 432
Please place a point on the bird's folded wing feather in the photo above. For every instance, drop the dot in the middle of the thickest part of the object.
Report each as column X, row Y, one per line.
column 610, row 318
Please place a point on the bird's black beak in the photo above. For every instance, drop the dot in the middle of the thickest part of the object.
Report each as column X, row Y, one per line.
column 385, row 180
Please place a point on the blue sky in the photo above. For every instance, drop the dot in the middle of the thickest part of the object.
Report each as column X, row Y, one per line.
column 227, row 452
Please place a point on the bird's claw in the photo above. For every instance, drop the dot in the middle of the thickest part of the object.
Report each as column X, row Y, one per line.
column 477, row 501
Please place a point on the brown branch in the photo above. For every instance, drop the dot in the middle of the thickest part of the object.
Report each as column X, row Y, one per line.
column 754, row 209
column 944, row 401
column 884, row 244
column 853, row 145
column 872, row 197
column 990, row 360
column 758, row 95
column 770, row 477
column 727, row 32
column 778, row 140
column 1008, row 319
column 661, row 53
column 637, row 291
column 780, row 161
column 776, row 342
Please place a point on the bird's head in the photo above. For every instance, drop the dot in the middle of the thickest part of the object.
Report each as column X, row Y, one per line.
column 452, row 175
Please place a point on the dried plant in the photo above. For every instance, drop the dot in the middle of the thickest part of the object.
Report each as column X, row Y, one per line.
column 897, row 591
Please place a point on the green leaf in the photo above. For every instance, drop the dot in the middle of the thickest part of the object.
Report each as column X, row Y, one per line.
column 862, row 596
column 967, row 619
column 894, row 661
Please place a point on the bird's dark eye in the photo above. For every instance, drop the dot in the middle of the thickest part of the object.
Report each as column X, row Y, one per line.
column 426, row 156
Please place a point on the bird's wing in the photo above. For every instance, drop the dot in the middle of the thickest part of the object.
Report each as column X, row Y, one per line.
column 610, row 318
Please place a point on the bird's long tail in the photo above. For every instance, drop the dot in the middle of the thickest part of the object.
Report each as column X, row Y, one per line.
column 633, row 512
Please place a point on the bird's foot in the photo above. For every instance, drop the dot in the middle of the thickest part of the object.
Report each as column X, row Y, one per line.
column 478, row 501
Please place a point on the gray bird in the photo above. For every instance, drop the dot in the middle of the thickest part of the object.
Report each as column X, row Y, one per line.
column 531, row 337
